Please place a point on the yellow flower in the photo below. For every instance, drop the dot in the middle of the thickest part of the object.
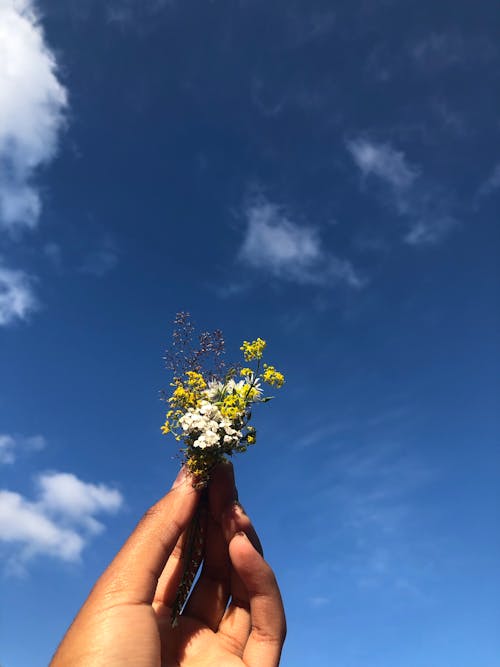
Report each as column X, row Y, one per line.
column 183, row 398
column 251, row 439
column 233, row 406
column 254, row 349
column 250, row 393
column 273, row 377
column 196, row 381
column 246, row 372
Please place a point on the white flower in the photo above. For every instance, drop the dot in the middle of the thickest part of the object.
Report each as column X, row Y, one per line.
column 206, row 439
column 256, row 386
column 206, row 426
column 213, row 390
column 233, row 386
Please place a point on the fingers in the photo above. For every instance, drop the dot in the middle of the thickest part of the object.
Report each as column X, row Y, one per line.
column 169, row 580
column 210, row 595
column 235, row 520
column 268, row 625
column 133, row 575
column 235, row 626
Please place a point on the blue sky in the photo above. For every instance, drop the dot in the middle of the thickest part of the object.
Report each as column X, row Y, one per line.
column 324, row 175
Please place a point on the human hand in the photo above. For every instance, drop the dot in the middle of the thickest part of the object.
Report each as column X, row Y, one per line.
column 126, row 620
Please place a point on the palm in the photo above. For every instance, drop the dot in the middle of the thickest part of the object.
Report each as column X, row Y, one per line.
column 193, row 643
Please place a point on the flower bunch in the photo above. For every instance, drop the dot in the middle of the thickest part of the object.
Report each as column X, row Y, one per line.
column 210, row 412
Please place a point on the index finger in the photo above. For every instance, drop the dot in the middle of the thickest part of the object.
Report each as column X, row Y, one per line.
column 133, row 575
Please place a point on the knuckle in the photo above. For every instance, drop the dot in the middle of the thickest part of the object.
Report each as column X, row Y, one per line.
column 232, row 644
column 270, row 637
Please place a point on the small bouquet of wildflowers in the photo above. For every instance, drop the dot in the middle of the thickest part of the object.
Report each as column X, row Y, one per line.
column 210, row 408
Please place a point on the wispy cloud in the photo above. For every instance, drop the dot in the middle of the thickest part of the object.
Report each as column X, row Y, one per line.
column 59, row 522
column 17, row 299
column 452, row 120
column 52, row 251
column 12, row 445
column 383, row 161
column 492, row 183
column 376, row 492
column 7, row 449
column 101, row 260
column 290, row 251
column 430, row 230
column 319, row 601
column 424, row 209
column 32, row 104
column 124, row 13
column 440, row 50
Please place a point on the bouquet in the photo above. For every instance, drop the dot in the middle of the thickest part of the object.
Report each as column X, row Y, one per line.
column 210, row 408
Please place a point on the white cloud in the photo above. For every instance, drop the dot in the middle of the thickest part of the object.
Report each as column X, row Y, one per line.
column 10, row 446
column 383, row 161
column 17, row 299
column 25, row 524
column 59, row 522
column 289, row 251
column 64, row 495
column 32, row 104
column 7, row 449
column 424, row 210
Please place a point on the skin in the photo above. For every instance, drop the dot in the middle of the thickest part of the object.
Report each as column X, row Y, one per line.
column 233, row 618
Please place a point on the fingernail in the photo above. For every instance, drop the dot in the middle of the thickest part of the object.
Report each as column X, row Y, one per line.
column 242, row 534
column 239, row 506
column 181, row 477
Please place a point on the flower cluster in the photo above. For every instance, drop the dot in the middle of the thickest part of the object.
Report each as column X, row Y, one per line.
column 211, row 414
column 253, row 350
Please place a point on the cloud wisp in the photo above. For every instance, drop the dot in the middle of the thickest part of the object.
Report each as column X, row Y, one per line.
column 17, row 298
column 127, row 13
column 439, row 51
column 289, row 251
column 101, row 260
column 383, row 161
column 492, row 183
column 59, row 522
column 12, row 445
column 425, row 211
column 376, row 490
column 32, row 105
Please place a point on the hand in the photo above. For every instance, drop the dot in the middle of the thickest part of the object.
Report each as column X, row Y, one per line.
column 126, row 620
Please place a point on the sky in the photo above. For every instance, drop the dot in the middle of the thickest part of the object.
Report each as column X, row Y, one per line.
column 324, row 175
